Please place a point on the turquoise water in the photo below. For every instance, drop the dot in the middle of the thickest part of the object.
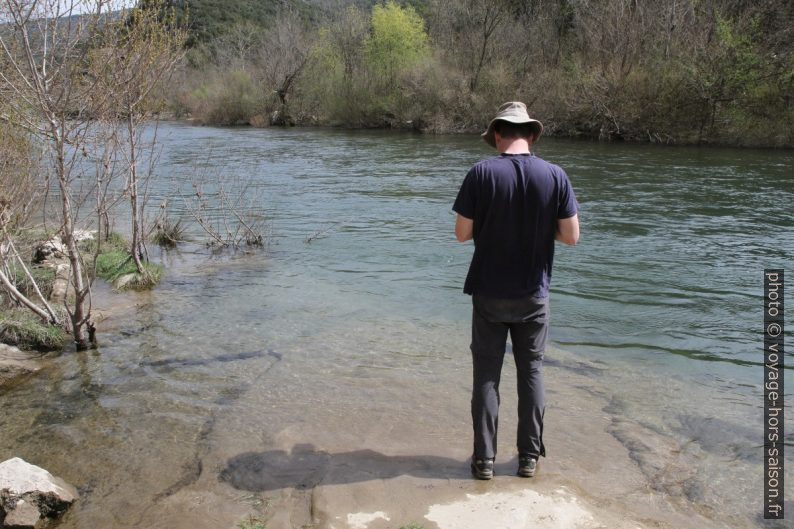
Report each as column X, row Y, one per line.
column 674, row 240
column 355, row 311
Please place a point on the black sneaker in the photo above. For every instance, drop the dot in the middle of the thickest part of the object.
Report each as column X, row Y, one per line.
column 527, row 466
column 482, row 468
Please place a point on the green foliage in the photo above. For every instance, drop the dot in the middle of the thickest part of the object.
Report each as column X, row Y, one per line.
column 209, row 19
column 43, row 276
column 737, row 66
column 397, row 42
column 118, row 267
column 333, row 81
column 360, row 64
column 114, row 241
column 666, row 72
column 21, row 328
column 225, row 98
column 114, row 263
column 740, row 86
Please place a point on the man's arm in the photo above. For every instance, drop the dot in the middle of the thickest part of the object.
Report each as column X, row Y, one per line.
column 567, row 230
column 464, row 228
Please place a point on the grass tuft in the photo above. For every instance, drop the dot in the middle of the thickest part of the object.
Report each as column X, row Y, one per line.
column 252, row 523
column 114, row 241
column 23, row 329
column 168, row 233
column 118, row 268
column 44, row 277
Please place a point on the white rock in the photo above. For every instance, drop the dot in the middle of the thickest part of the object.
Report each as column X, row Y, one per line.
column 23, row 484
column 55, row 249
column 48, row 250
column 83, row 235
column 361, row 520
column 524, row 509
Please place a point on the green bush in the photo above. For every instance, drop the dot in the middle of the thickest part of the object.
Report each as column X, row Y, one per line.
column 397, row 42
column 225, row 98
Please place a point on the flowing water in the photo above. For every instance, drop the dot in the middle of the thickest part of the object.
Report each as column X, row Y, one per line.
column 340, row 354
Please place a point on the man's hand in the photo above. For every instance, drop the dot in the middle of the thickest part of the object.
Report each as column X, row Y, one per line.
column 567, row 230
column 464, row 228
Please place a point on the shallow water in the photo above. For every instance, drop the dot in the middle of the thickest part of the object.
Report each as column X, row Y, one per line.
column 346, row 356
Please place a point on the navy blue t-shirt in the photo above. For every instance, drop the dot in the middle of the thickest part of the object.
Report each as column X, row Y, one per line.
column 515, row 201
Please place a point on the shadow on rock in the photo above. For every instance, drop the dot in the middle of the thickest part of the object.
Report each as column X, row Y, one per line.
column 306, row 467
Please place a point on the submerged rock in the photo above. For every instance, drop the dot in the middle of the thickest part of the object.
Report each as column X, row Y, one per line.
column 15, row 363
column 29, row 493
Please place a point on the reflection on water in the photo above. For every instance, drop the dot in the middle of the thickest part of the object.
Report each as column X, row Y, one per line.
column 356, row 340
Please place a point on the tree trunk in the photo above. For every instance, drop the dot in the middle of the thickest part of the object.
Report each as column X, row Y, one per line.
column 135, row 250
column 80, row 315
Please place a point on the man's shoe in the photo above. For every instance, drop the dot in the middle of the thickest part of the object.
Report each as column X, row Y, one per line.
column 482, row 468
column 527, row 466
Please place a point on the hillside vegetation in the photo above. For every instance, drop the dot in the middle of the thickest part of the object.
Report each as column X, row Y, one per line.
column 669, row 71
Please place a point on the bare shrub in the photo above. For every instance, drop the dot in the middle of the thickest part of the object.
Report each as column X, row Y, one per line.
column 227, row 209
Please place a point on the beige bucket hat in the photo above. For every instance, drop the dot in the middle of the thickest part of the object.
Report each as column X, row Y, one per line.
column 514, row 112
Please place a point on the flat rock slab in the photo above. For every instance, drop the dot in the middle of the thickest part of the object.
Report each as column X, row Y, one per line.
column 15, row 363
column 518, row 509
column 23, row 486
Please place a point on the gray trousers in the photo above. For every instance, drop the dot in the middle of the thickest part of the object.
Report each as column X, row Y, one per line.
column 527, row 321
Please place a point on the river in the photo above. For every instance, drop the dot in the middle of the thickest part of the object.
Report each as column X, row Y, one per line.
column 338, row 356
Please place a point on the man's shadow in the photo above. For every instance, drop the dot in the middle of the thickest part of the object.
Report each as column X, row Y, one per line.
column 304, row 467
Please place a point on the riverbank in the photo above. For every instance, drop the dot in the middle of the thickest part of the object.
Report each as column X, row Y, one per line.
column 552, row 129
column 669, row 73
column 703, row 77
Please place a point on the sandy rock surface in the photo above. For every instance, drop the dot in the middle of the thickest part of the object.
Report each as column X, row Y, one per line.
column 15, row 363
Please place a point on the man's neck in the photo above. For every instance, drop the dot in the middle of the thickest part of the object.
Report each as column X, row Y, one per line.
column 516, row 146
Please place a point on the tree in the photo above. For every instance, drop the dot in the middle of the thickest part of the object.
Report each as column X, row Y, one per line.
column 285, row 52
column 68, row 67
column 45, row 53
column 398, row 41
column 469, row 29
column 238, row 46
column 139, row 50
column 333, row 78
column 18, row 191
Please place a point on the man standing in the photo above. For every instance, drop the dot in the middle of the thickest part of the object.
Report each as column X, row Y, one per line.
column 514, row 206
